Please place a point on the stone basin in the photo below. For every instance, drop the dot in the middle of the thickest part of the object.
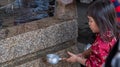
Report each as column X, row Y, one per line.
column 26, row 45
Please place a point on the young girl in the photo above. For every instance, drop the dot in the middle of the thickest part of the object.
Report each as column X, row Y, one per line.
column 102, row 21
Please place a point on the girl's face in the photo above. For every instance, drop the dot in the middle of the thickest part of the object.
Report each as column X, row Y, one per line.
column 92, row 24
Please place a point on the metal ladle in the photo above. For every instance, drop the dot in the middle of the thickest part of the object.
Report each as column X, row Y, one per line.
column 53, row 58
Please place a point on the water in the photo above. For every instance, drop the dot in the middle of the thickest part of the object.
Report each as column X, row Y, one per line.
column 37, row 9
column 22, row 11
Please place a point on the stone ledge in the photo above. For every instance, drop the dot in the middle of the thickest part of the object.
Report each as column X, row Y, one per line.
column 31, row 26
column 35, row 40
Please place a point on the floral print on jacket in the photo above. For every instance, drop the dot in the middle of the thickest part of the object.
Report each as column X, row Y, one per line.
column 100, row 50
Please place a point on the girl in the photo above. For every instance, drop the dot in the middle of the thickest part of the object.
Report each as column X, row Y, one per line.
column 102, row 21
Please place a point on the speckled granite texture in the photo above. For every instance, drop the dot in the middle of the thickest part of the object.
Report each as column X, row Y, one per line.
column 26, row 45
column 39, row 39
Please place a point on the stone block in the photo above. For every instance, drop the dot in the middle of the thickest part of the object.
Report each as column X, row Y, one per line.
column 18, row 49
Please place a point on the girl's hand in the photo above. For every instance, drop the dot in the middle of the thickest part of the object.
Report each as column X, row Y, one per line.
column 75, row 58
column 80, row 55
column 72, row 58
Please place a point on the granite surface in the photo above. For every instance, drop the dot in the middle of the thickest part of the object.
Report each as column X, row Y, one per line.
column 38, row 58
column 26, row 44
column 38, row 39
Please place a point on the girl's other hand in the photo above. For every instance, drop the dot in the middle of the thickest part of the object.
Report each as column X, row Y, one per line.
column 72, row 58
column 80, row 55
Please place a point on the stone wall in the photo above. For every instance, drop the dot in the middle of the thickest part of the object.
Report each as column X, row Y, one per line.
column 26, row 45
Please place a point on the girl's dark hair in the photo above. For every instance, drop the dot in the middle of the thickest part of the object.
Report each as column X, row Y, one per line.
column 103, row 12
